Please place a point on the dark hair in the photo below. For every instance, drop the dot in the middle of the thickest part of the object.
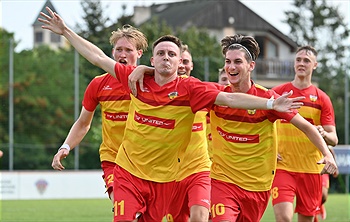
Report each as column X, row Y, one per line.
column 307, row 48
column 246, row 43
column 168, row 38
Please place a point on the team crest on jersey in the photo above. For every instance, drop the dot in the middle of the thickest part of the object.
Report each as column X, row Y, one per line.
column 251, row 111
column 172, row 95
column 313, row 98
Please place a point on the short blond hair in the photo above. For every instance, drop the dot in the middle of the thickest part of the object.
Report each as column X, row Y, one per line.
column 132, row 34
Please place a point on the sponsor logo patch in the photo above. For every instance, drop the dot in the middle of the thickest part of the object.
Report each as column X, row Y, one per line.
column 238, row 138
column 154, row 121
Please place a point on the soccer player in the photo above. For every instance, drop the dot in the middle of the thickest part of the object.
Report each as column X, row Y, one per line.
column 298, row 171
column 105, row 90
column 244, row 141
column 223, row 78
column 159, row 122
column 186, row 66
column 192, row 199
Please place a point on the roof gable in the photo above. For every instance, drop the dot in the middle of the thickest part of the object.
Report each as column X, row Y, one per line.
column 47, row 4
column 215, row 14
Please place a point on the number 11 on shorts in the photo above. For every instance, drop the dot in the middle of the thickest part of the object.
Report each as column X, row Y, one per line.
column 119, row 208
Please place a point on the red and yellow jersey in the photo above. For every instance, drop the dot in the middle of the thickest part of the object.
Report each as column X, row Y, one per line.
column 114, row 103
column 196, row 155
column 209, row 138
column 298, row 152
column 159, row 125
column 245, row 143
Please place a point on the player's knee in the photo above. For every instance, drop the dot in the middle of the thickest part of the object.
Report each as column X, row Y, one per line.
column 283, row 212
column 199, row 214
column 199, row 218
column 283, row 218
column 324, row 197
column 283, row 215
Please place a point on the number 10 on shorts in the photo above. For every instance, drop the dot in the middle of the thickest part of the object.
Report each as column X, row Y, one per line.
column 217, row 209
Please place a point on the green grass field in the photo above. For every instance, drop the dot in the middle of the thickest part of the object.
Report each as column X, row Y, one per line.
column 99, row 210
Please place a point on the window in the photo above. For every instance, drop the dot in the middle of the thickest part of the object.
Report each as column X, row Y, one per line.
column 271, row 50
column 38, row 37
column 260, row 40
column 55, row 38
column 268, row 49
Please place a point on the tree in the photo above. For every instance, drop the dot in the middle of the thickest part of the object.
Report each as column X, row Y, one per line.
column 205, row 50
column 43, row 106
column 95, row 29
column 321, row 25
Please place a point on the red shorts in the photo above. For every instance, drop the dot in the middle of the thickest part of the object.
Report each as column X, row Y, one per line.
column 107, row 176
column 193, row 190
column 134, row 196
column 325, row 180
column 306, row 187
column 229, row 202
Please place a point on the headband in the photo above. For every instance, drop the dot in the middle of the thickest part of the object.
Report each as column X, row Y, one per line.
column 242, row 46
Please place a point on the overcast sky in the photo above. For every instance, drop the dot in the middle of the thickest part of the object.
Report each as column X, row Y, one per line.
column 18, row 15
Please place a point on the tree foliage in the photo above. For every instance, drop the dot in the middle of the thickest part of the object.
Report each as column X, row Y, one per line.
column 205, row 50
column 43, row 104
column 321, row 25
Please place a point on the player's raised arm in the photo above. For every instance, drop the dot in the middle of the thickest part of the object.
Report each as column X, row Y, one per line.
column 92, row 53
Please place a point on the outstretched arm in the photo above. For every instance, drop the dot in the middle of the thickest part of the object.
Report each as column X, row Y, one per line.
column 246, row 101
column 74, row 137
column 315, row 137
column 92, row 53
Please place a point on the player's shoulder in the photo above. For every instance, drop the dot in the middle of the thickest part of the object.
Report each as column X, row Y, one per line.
column 260, row 87
column 100, row 77
column 106, row 77
column 104, row 80
column 323, row 96
column 188, row 80
column 262, row 91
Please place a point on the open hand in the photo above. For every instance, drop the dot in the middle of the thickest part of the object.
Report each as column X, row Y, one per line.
column 53, row 22
column 285, row 104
